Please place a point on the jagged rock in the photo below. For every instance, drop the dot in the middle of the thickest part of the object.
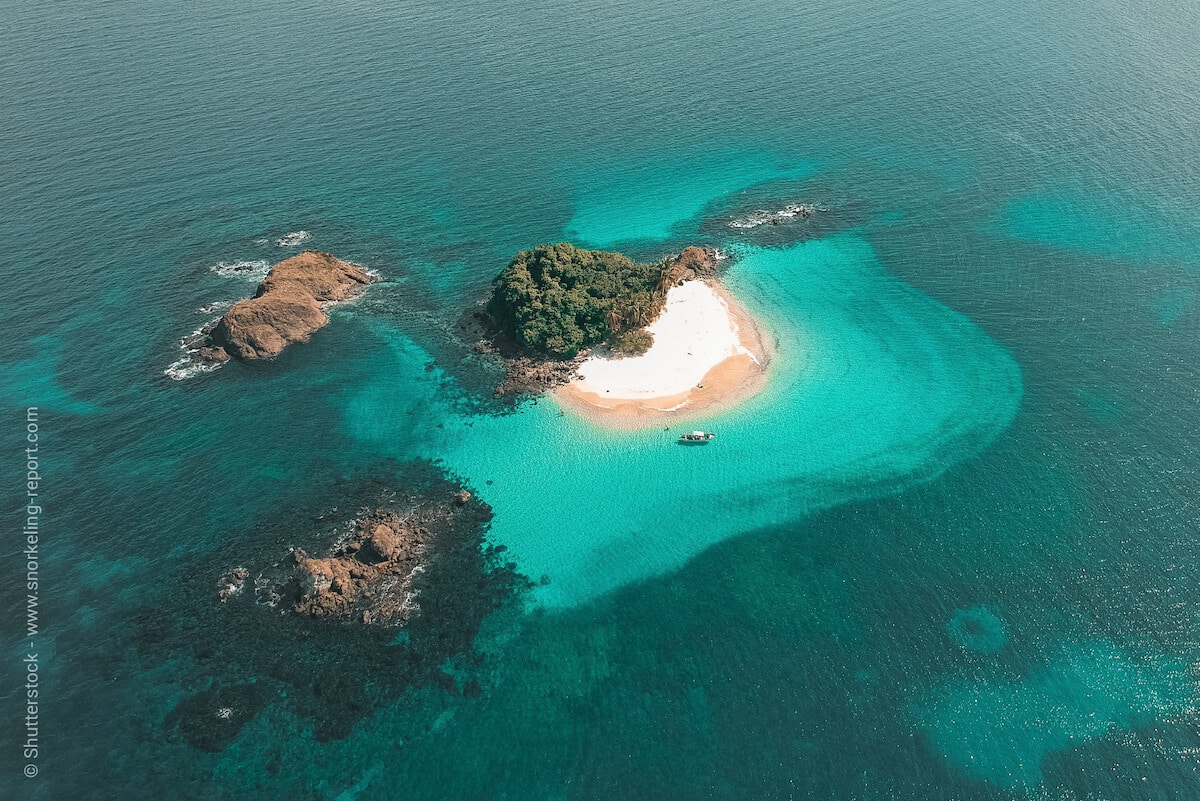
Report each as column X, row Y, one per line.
column 369, row 576
column 383, row 544
column 327, row 586
column 287, row 308
column 212, row 354
column 233, row 583
column 533, row 375
column 693, row 263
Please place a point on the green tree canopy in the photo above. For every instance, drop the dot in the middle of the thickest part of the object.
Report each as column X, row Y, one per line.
column 561, row 299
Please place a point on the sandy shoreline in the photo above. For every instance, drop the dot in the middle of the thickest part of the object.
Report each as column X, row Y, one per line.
column 708, row 354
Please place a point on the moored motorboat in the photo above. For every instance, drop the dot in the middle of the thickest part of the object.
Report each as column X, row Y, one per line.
column 697, row 437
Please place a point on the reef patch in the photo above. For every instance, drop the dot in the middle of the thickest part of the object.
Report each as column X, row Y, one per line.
column 264, row 645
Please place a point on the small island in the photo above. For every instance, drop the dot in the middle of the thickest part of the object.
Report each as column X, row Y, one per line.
column 287, row 308
column 642, row 343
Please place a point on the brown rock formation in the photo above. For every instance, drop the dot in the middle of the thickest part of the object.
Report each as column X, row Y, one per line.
column 370, row 575
column 287, row 307
column 692, row 264
column 209, row 353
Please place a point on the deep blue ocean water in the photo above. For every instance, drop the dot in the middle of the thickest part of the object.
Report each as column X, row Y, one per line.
column 949, row 553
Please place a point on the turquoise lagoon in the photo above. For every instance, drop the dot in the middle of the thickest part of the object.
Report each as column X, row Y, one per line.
column 872, row 386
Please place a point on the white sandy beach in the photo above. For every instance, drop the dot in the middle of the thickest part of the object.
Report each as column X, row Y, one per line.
column 705, row 351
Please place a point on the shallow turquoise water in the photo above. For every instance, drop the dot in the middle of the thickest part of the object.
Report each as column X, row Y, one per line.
column 948, row 553
column 629, row 201
column 873, row 385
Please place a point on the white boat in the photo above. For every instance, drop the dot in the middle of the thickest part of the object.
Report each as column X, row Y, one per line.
column 697, row 437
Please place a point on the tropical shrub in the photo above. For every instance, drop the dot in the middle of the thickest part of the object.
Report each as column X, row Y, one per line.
column 561, row 299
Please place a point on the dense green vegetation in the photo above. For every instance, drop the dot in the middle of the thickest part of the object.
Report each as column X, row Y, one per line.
column 561, row 299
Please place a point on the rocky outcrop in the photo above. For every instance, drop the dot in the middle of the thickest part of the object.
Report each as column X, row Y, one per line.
column 233, row 583
column 386, row 549
column 287, row 308
column 368, row 577
column 694, row 263
column 765, row 217
column 526, row 372
column 533, row 375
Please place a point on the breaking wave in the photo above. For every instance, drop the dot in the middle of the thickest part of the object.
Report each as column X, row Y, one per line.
column 253, row 269
column 764, row 217
column 188, row 367
column 190, row 364
column 292, row 239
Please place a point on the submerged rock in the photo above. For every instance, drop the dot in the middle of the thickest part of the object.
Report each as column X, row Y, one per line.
column 210, row 720
column 766, row 217
column 978, row 629
column 299, row 643
column 287, row 308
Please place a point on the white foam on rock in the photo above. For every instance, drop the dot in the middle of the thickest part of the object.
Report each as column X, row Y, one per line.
column 763, row 216
column 292, row 239
column 188, row 367
column 254, row 269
